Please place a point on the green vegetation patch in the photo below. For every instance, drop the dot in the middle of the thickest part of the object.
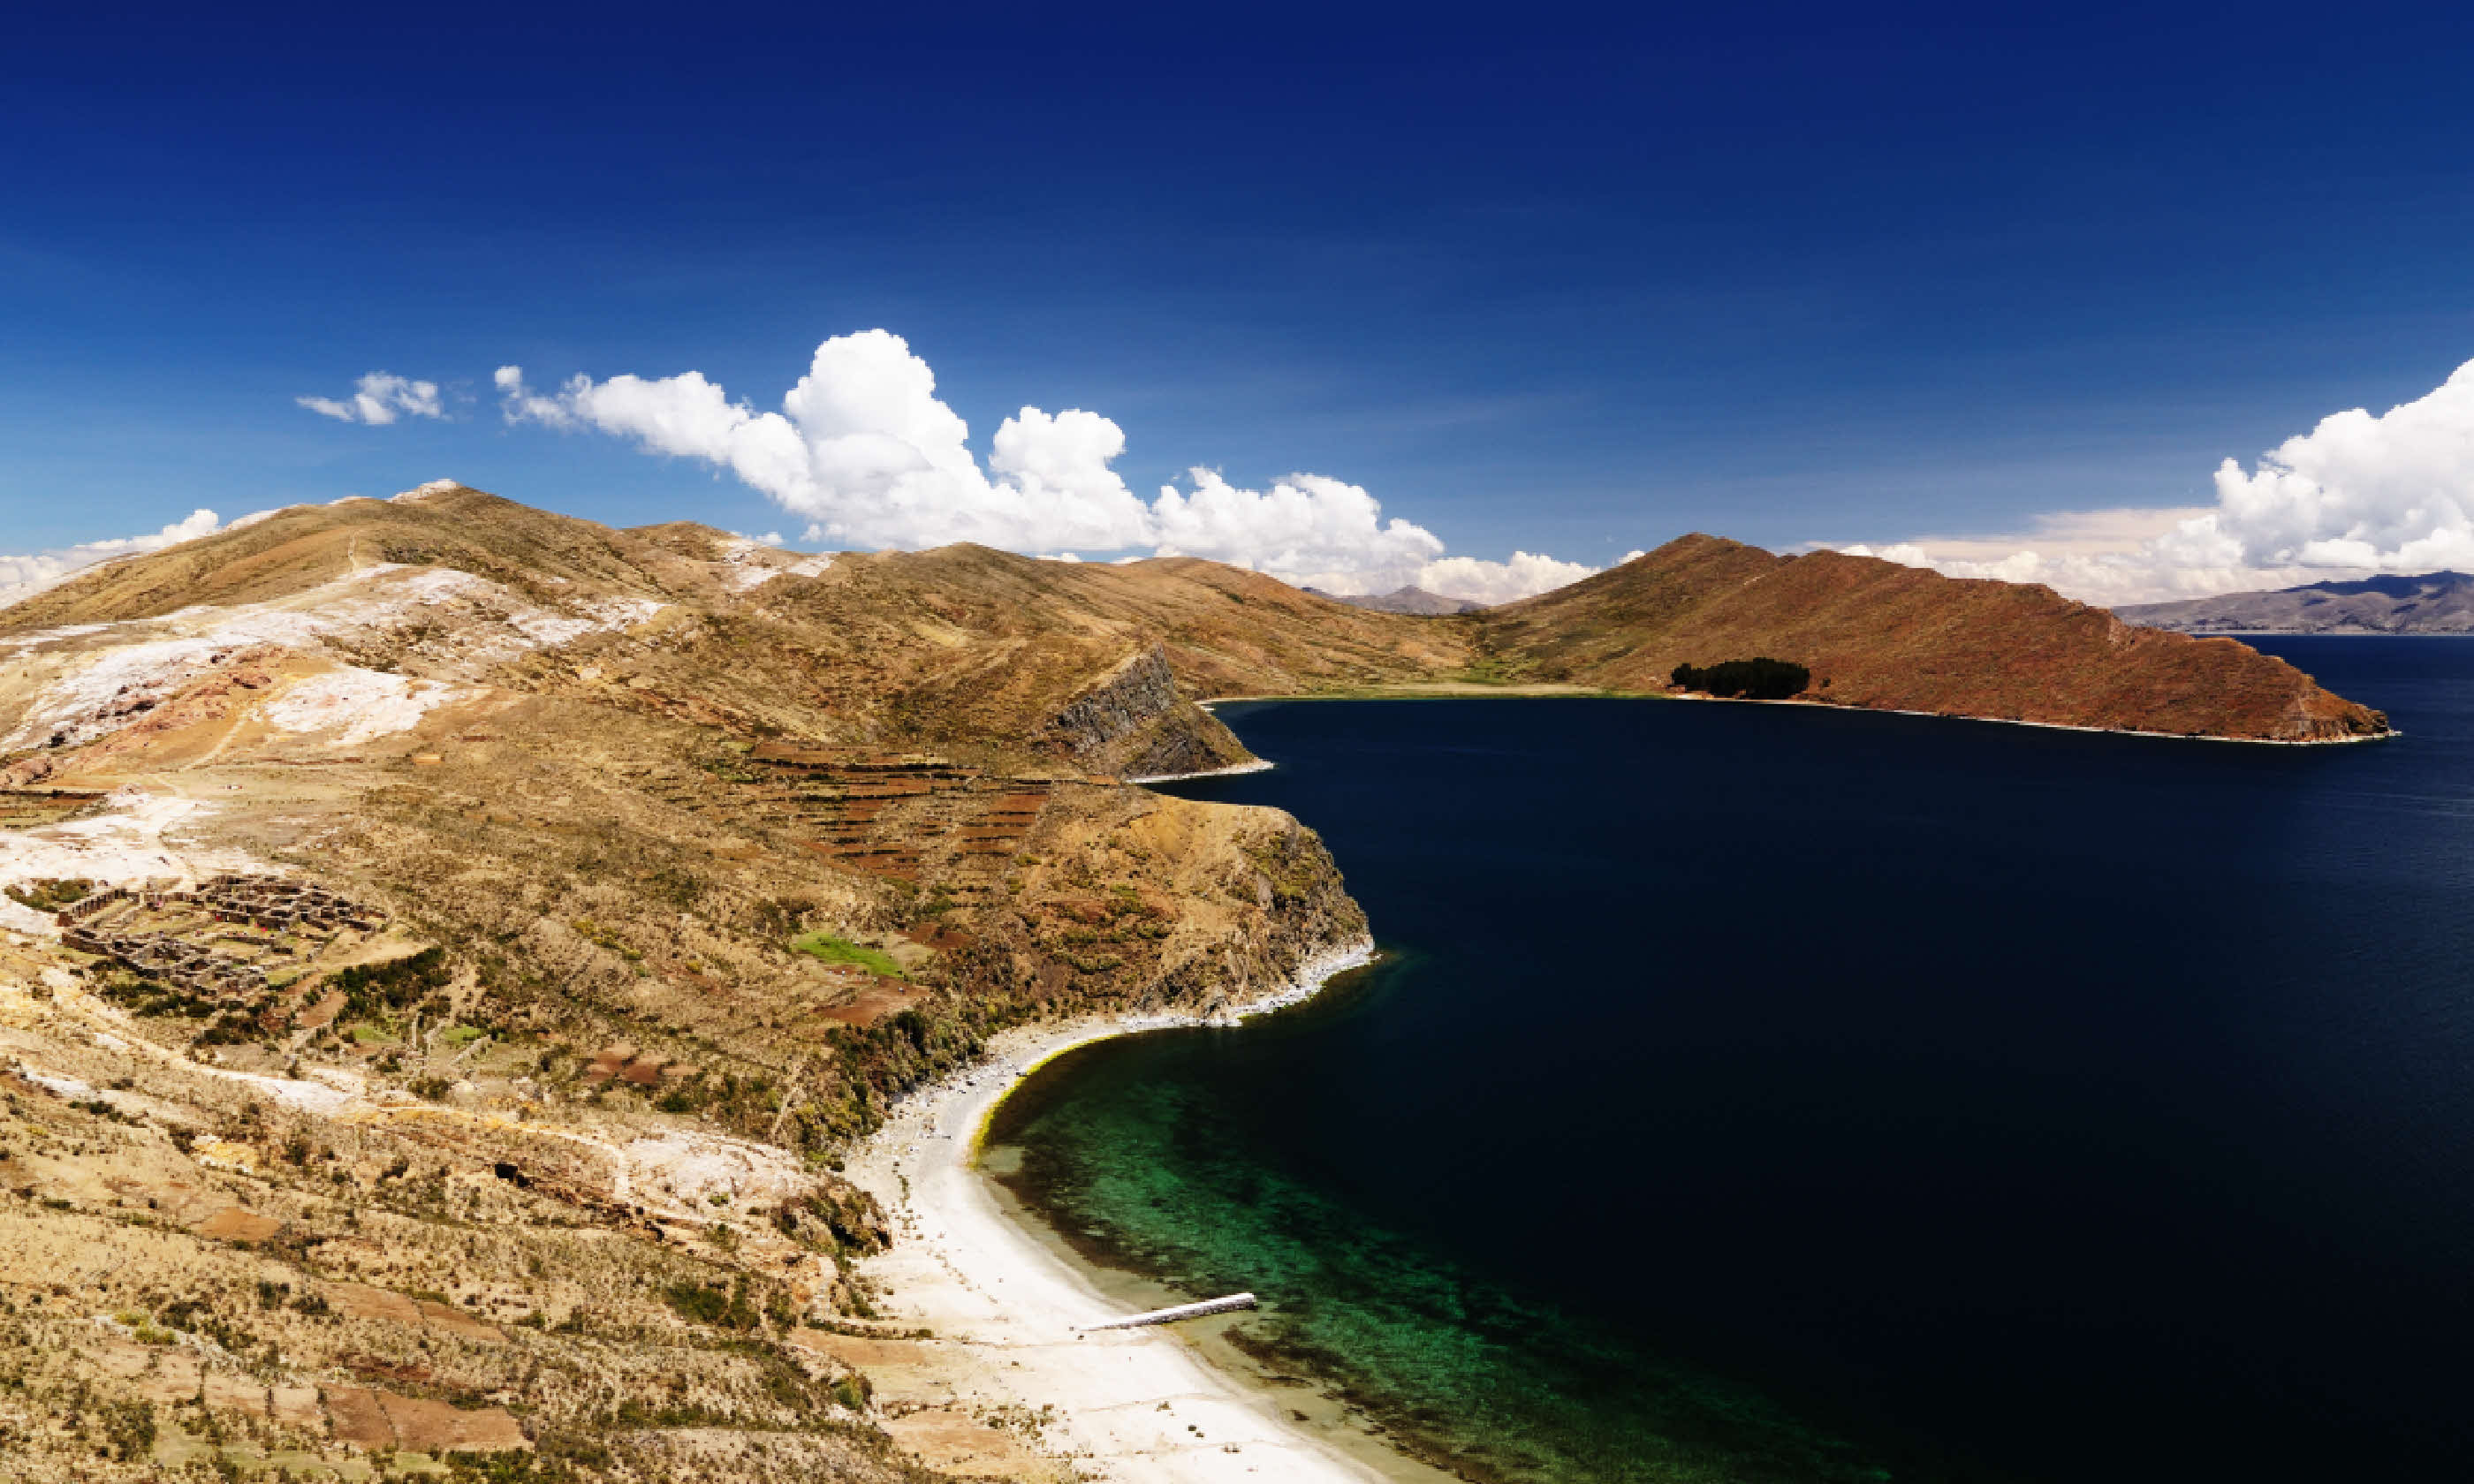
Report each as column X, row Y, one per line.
column 841, row 950
column 52, row 894
column 710, row 1305
column 594, row 933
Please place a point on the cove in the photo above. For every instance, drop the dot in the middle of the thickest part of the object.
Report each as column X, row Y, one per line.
column 1763, row 1093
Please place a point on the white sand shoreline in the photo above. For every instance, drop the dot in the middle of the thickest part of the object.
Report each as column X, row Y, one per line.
column 1255, row 765
column 1133, row 1405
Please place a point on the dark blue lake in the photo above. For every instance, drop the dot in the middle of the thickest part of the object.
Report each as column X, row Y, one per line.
column 1762, row 1093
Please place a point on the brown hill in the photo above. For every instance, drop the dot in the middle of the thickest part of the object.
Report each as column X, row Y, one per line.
column 630, row 877
column 653, row 867
column 968, row 646
column 959, row 646
column 1878, row 635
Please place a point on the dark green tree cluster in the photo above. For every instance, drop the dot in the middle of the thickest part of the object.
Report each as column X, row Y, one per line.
column 1760, row 678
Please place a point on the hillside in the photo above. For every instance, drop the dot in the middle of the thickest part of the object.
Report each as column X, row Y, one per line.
column 958, row 645
column 449, row 948
column 668, row 863
column 1879, row 636
column 2433, row 602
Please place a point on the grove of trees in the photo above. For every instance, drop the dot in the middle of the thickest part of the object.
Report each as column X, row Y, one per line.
column 1759, row 678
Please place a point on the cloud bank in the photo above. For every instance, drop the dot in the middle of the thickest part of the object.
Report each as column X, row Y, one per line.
column 1500, row 582
column 865, row 450
column 2356, row 495
column 378, row 398
column 21, row 577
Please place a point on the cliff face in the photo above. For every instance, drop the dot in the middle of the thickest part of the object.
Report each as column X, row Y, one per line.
column 1133, row 721
column 1878, row 635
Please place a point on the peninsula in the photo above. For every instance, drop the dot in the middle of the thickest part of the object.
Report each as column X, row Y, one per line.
column 459, row 962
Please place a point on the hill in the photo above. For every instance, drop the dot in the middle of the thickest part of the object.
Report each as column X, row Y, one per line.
column 449, row 948
column 2433, row 602
column 1879, row 636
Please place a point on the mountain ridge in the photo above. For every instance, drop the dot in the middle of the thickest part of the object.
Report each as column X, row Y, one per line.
column 981, row 644
column 1410, row 599
column 2429, row 603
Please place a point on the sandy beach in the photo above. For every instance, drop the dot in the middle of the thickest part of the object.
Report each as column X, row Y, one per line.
column 1131, row 1405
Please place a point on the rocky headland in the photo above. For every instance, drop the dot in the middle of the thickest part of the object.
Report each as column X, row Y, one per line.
column 1878, row 635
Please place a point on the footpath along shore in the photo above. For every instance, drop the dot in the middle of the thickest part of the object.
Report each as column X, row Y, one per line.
column 1131, row 1405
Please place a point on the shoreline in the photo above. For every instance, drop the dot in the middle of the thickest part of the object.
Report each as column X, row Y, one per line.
column 1825, row 705
column 2321, row 634
column 1002, row 1306
column 1252, row 765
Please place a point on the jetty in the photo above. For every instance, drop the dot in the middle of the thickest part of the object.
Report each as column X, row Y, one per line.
column 1176, row 1312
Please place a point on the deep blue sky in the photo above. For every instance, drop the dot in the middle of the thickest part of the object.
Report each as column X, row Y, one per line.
column 1533, row 277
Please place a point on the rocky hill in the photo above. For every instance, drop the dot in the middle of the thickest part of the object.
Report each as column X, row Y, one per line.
column 1879, row 636
column 448, row 946
column 666, row 862
column 2433, row 602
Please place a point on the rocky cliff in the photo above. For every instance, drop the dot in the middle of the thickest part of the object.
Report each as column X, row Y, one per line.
column 1133, row 721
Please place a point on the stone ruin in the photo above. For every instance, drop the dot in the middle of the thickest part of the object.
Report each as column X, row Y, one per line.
column 271, row 903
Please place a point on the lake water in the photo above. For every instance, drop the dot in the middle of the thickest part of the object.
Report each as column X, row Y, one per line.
column 1760, row 1092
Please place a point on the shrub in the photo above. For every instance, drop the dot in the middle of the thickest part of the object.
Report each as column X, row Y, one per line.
column 394, row 985
column 1759, row 678
column 129, row 1428
column 703, row 1305
column 51, row 893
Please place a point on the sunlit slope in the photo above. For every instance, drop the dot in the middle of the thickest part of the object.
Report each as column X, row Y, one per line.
column 969, row 646
column 961, row 645
column 1878, row 635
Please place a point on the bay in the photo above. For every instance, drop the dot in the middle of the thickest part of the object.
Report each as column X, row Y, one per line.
column 1758, row 1092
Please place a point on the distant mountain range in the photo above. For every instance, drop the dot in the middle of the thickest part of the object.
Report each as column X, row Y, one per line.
column 1416, row 602
column 2433, row 602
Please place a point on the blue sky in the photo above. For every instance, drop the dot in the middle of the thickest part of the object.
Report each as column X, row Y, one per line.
column 1534, row 279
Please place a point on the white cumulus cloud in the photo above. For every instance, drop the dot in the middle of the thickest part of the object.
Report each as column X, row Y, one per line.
column 21, row 577
column 378, row 398
column 1305, row 528
column 865, row 450
column 1500, row 582
column 2358, row 494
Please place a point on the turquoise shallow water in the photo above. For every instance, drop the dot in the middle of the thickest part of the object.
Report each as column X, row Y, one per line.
column 1765, row 1094
column 1129, row 1161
